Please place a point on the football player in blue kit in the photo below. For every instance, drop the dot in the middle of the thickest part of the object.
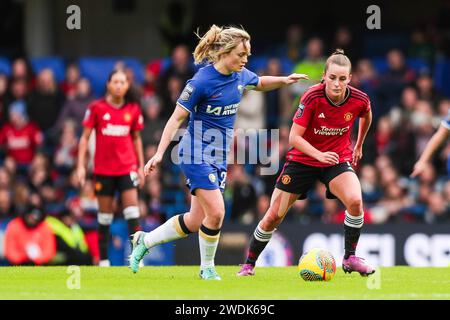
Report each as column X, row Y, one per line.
column 211, row 99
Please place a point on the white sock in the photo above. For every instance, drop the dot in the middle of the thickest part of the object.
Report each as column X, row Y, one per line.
column 168, row 231
column 208, row 246
column 354, row 221
column 104, row 263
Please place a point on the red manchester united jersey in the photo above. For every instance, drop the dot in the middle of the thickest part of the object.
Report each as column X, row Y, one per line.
column 328, row 125
column 114, row 150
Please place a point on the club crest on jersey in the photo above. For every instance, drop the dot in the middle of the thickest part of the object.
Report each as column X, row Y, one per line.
column 300, row 110
column 348, row 116
column 286, row 179
column 212, row 177
column 241, row 89
column 187, row 92
column 127, row 117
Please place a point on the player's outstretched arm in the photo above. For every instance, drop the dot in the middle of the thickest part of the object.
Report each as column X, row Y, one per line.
column 436, row 140
column 178, row 116
column 267, row 83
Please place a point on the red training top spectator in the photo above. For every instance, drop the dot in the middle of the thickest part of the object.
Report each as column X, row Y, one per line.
column 20, row 136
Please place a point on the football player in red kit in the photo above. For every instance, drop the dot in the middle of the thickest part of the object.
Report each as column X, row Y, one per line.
column 321, row 150
column 119, row 158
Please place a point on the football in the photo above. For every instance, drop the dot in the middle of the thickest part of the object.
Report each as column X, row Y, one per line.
column 317, row 265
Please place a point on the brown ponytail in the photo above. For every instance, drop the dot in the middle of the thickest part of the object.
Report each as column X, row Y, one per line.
column 338, row 57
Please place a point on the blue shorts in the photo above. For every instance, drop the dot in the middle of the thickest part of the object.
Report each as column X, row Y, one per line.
column 204, row 176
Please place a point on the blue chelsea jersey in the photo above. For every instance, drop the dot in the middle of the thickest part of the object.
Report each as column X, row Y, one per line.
column 212, row 99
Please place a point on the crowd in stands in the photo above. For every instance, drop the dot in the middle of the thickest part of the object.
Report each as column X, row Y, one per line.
column 40, row 123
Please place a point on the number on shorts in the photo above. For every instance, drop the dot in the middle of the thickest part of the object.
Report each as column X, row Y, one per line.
column 223, row 175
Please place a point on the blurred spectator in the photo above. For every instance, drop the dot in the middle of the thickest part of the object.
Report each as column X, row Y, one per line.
column 153, row 193
column 151, row 74
column 331, row 209
column 423, row 123
column 169, row 100
column 438, row 209
column 29, row 239
column 446, row 191
column 21, row 196
column 18, row 91
column 87, row 199
column 343, row 39
column 38, row 178
column 45, row 101
column 279, row 106
column 20, row 69
column 393, row 81
column 408, row 102
column 244, row 195
column 421, row 47
column 52, row 198
column 252, row 111
column 299, row 212
column 292, row 47
column 76, row 107
column 20, row 137
column 66, row 153
column 388, row 175
column 365, row 78
column 3, row 97
column 71, row 246
column 71, row 188
column 404, row 135
column 180, row 69
column 426, row 91
column 5, row 179
column 383, row 136
column 262, row 205
column 428, row 175
column 369, row 184
column 69, row 85
column 313, row 65
column 6, row 209
column 443, row 108
column 153, row 126
column 394, row 200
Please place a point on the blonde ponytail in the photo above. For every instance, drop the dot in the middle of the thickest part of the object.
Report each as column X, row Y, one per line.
column 218, row 41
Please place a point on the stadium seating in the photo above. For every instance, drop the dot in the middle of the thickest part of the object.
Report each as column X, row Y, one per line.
column 97, row 69
column 418, row 65
column 442, row 76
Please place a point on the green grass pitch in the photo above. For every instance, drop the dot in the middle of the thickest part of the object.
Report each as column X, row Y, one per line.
column 182, row 282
